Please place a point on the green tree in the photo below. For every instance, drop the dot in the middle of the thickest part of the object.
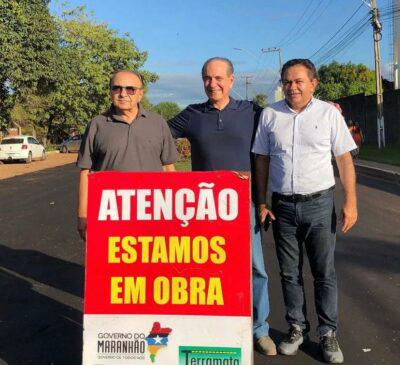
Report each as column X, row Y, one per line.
column 261, row 100
column 338, row 80
column 90, row 52
column 28, row 47
column 54, row 71
column 167, row 109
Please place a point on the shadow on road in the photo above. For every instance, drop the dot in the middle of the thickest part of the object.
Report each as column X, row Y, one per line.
column 372, row 181
column 41, row 270
column 378, row 256
column 52, row 271
column 369, row 273
column 35, row 329
column 310, row 348
column 376, row 183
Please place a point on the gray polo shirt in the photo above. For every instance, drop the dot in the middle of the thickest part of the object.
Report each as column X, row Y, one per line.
column 111, row 144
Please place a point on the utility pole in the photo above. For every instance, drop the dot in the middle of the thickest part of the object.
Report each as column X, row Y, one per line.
column 396, row 32
column 377, row 27
column 274, row 49
column 279, row 50
column 247, row 82
column 396, row 62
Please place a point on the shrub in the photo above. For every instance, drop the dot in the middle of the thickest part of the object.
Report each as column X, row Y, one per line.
column 183, row 147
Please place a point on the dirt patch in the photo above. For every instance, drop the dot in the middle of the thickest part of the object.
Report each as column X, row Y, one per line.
column 53, row 159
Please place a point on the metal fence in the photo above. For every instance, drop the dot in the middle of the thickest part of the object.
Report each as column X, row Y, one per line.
column 362, row 109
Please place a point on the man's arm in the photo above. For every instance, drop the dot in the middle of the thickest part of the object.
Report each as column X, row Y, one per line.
column 169, row 168
column 178, row 124
column 348, row 178
column 261, row 179
column 83, row 202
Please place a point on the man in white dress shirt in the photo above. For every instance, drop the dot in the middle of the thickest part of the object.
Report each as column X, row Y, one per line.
column 293, row 146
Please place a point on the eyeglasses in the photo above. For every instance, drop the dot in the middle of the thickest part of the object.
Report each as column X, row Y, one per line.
column 130, row 90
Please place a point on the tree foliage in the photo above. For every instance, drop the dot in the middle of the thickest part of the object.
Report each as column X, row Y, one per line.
column 54, row 75
column 28, row 45
column 261, row 100
column 338, row 80
column 166, row 109
column 90, row 52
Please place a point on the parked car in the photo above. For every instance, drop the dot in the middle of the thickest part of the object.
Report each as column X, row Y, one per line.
column 72, row 144
column 24, row 148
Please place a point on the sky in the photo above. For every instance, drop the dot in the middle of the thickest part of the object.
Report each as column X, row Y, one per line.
column 179, row 35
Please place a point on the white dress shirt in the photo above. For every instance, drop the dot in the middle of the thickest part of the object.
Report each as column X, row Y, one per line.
column 300, row 145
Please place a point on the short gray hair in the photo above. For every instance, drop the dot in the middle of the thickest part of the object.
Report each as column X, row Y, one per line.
column 229, row 65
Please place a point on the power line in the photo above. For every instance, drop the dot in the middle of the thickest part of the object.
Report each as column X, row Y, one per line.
column 337, row 32
column 297, row 23
column 298, row 36
column 274, row 83
column 344, row 42
column 353, row 34
column 247, row 83
column 261, row 69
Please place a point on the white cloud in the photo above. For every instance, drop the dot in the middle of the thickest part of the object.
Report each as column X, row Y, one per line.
column 183, row 89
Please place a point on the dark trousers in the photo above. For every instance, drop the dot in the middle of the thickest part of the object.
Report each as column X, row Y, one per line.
column 310, row 224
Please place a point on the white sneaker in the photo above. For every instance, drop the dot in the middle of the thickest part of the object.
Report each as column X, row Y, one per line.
column 330, row 349
column 292, row 341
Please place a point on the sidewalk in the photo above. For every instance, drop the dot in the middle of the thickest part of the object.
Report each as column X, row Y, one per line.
column 383, row 171
column 53, row 159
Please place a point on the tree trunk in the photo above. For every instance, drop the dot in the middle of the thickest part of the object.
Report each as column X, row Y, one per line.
column 18, row 127
column 49, row 123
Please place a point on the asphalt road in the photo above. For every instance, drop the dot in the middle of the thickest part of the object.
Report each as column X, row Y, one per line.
column 42, row 274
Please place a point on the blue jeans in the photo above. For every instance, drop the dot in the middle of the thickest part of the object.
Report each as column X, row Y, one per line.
column 260, row 280
column 312, row 223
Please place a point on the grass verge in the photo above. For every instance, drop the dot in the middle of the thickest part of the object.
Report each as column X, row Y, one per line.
column 51, row 147
column 390, row 154
column 183, row 166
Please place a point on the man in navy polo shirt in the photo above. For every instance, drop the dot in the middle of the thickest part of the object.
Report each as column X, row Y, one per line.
column 221, row 133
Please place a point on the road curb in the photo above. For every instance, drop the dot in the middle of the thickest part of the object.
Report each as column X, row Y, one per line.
column 376, row 172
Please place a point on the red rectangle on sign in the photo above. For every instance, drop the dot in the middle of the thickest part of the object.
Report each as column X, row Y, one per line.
column 168, row 243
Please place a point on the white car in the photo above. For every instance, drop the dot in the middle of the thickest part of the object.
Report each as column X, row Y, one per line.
column 24, row 148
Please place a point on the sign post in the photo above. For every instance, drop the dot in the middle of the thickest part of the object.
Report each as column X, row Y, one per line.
column 168, row 269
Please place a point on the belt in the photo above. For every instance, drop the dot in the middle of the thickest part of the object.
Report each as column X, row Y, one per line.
column 296, row 198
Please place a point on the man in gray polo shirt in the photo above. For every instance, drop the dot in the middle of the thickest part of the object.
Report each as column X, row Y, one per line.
column 293, row 147
column 125, row 138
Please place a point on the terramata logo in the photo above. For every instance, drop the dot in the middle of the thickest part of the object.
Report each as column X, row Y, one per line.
column 157, row 340
column 210, row 355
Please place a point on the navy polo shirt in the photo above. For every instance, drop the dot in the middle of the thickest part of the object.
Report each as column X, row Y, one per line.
column 219, row 139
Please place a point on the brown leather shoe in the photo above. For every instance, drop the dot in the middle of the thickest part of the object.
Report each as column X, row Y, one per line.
column 266, row 346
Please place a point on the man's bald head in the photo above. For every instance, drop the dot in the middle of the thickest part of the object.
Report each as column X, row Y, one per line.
column 229, row 65
column 116, row 72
